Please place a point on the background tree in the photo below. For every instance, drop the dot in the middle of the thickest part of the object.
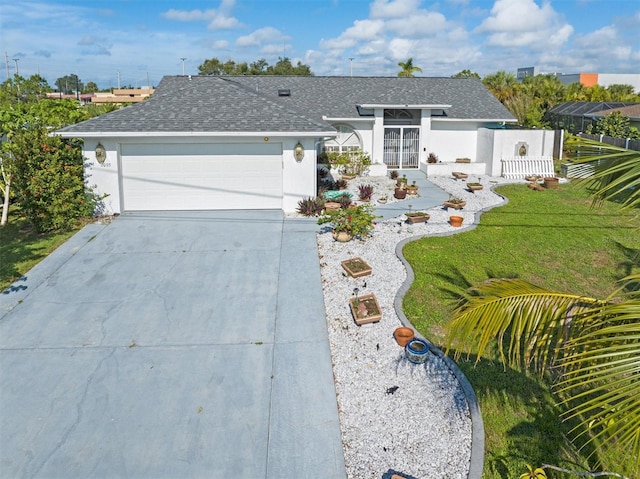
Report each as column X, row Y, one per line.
column 43, row 173
column 91, row 87
column 614, row 124
column 575, row 92
column 598, row 93
column 620, row 92
column 466, row 74
column 503, row 85
column 283, row 66
column 69, row 84
column 19, row 88
column 407, row 69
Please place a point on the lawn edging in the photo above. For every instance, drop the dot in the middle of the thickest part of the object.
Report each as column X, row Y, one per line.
column 476, row 461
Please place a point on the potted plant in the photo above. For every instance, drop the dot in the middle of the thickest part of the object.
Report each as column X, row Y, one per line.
column 365, row 308
column 412, row 189
column 393, row 174
column 350, row 222
column 460, row 175
column 401, row 182
column 417, row 217
column 382, row 200
column 351, row 163
column 463, row 160
column 365, row 192
column 432, row 158
column 400, row 193
column 455, row 203
column 474, row 186
column 356, row 267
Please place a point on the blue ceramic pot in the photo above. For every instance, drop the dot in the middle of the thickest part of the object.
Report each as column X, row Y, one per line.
column 417, row 350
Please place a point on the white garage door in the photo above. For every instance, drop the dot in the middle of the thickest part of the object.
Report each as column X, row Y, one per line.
column 201, row 176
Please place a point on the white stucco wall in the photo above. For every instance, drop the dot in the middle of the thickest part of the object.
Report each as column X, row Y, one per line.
column 450, row 140
column 494, row 145
column 298, row 179
column 103, row 178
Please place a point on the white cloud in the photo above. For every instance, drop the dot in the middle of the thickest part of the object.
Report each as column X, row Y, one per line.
column 219, row 19
column 394, row 8
column 260, row 36
column 220, row 45
column 522, row 23
column 361, row 30
column 419, row 24
column 517, row 15
column 401, row 49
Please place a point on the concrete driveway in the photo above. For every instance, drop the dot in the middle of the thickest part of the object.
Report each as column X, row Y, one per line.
column 171, row 345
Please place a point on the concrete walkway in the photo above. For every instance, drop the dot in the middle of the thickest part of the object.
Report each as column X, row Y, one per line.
column 166, row 345
column 429, row 195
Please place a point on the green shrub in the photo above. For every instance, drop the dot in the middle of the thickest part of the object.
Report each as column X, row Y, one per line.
column 355, row 220
column 49, row 180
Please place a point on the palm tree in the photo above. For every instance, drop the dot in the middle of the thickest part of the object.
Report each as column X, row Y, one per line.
column 591, row 345
column 503, row 85
column 408, row 68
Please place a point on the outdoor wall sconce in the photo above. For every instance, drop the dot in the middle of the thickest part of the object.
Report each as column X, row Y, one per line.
column 298, row 152
column 101, row 153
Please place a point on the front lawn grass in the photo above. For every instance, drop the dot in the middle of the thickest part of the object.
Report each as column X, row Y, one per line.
column 555, row 239
column 21, row 247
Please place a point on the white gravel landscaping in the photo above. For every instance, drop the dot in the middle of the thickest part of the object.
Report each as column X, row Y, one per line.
column 422, row 428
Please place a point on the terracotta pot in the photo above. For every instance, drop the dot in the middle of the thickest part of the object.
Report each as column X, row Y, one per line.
column 412, row 190
column 551, row 183
column 456, row 221
column 400, row 194
column 403, row 335
column 342, row 236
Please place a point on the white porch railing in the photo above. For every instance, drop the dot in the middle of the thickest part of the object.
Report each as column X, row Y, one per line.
column 521, row 166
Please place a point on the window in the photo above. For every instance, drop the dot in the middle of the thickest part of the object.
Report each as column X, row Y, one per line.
column 347, row 140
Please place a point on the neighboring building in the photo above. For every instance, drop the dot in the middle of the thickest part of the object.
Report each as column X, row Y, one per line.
column 127, row 95
column 587, row 79
column 575, row 116
column 603, row 79
column 212, row 142
column 82, row 97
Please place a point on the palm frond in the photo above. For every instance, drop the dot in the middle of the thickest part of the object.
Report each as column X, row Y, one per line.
column 601, row 381
column 614, row 172
column 530, row 322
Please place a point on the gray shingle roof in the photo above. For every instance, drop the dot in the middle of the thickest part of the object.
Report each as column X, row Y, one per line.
column 337, row 97
column 201, row 104
column 252, row 104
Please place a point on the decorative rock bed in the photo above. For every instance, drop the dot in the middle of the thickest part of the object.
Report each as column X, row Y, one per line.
column 394, row 414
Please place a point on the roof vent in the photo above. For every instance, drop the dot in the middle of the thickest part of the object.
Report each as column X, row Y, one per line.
column 284, row 92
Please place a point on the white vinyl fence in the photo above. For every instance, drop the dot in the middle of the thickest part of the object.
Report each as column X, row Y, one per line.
column 521, row 166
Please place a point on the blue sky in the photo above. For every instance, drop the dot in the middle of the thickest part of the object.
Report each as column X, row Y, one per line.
column 142, row 39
